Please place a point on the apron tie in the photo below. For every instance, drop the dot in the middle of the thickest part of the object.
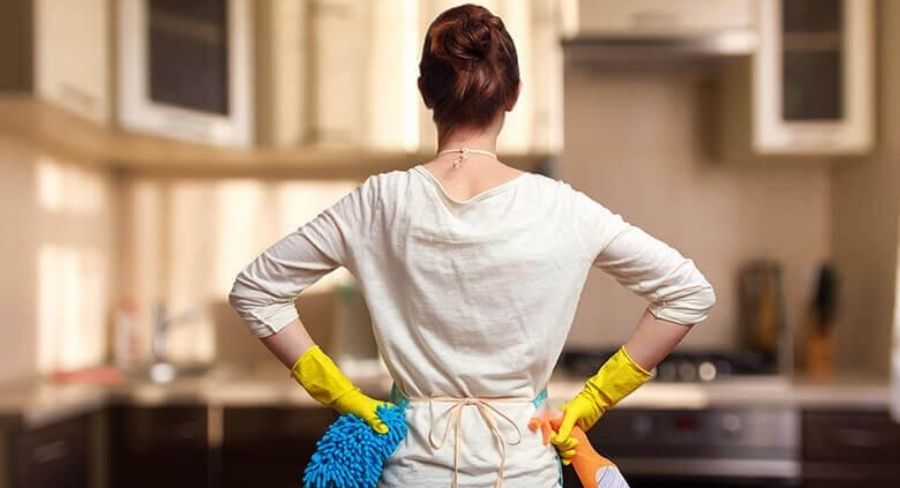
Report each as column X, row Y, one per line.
column 454, row 418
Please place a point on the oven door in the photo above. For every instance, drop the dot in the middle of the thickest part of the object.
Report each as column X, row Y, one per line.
column 691, row 481
column 712, row 447
column 710, row 483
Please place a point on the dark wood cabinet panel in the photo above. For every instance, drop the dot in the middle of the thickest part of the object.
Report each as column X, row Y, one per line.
column 859, row 436
column 159, row 446
column 856, row 484
column 57, row 455
column 843, row 447
column 270, row 446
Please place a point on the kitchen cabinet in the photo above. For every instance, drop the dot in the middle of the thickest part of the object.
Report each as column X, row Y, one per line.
column 59, row 454
column 808, row 89
column 612, row 18
column 16, row 56
column 813, row 80
column 269, row 446
column 153, row 446
column 849, row 447
column 72, row 56
column 185, row 69
column 329, row 84
column 351, row 82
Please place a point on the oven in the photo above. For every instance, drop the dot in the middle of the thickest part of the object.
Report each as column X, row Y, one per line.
column 750, row 446
column 732, row 444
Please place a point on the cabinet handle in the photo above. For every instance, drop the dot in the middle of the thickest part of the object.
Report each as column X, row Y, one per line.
column 49, row 452
column 188, row 431
column 858, row 438
column 655, row 18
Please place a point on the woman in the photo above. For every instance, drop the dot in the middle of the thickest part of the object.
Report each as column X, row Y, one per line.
column 472, row 271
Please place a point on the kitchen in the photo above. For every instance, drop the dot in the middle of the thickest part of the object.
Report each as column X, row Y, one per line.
column 130, row 208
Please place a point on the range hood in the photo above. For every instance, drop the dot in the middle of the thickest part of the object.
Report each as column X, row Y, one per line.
column 646, row 29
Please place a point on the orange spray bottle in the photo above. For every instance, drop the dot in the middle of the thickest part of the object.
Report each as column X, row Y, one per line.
column 594, row 470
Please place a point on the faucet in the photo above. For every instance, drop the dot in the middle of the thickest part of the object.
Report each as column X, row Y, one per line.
column 162, row 370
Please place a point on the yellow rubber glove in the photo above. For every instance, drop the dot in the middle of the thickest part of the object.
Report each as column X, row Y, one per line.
column 616, row 379
column 318, row 374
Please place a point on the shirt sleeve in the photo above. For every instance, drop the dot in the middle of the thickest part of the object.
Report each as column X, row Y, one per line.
column 677, row 291
column 264, row 292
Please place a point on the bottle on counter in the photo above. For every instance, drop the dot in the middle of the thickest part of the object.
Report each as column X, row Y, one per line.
column 125, row 333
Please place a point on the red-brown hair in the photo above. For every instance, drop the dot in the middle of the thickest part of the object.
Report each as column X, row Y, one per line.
column 469, row 69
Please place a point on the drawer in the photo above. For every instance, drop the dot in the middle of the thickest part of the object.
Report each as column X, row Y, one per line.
column 55, row 455
column 252, row 424
column 159, row 446
column 864, row 437
column 273, row 435
column 145, row 428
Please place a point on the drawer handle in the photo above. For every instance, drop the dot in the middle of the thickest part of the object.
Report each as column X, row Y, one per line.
column 188, row 431
column 858, row 438
column 49, row 452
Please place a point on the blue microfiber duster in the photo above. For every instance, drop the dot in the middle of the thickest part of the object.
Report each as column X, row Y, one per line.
column 351, row 455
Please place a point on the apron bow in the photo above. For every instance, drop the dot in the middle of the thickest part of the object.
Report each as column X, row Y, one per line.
column 486, row 411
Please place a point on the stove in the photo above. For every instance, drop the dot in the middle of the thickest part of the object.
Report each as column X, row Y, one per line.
column 748, row 446
column 681, row 366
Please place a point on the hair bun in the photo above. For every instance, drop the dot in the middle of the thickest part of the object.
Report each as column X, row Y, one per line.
column 474, row 38
column 469, row 69
column 466, row 41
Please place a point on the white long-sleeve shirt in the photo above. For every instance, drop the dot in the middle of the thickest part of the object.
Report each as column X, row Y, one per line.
column 469, row 298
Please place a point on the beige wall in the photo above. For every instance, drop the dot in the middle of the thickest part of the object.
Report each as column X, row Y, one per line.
column 641, row 143
column 55, row 257
column 865, row 221
column 185, row 239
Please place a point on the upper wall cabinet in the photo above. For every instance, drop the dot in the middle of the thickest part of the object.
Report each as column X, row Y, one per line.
column 280, row 74
column 808, row 88
column 186, row 69
column 663, row 18
column 813, row 77
column 72, row 56
column 342, row 73
column 315, row 73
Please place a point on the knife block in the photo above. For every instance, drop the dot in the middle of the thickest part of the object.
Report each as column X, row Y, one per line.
column 819, row 349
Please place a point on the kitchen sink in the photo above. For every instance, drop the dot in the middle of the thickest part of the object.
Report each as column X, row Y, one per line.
column 164, row 372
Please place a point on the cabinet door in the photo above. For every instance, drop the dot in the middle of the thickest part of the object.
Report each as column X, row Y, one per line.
column 850, row 446
column 813, row 77
column 159, row 446
column 338, row 43
column 73, row 64
column 270, row 446
column 56, row 455
column 662, row 17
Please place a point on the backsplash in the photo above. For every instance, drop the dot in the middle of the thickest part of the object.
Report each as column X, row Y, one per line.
column 187, row 238
column 641, row 143
column 56, row 257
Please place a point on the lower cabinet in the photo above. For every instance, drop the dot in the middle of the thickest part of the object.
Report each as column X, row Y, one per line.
column 184, row 446
column 193, row 446
column 57, row 455
column 269, row 446
column 855, row 448
column 159, row 446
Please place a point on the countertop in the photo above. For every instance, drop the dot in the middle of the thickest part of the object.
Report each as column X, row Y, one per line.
column 41, row 402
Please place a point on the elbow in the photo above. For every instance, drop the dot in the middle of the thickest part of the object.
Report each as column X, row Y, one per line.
column 701, row 303
column 240, row 300
column 262, row 313
column 237, row 297
column 705, row 300
column 688, row 309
